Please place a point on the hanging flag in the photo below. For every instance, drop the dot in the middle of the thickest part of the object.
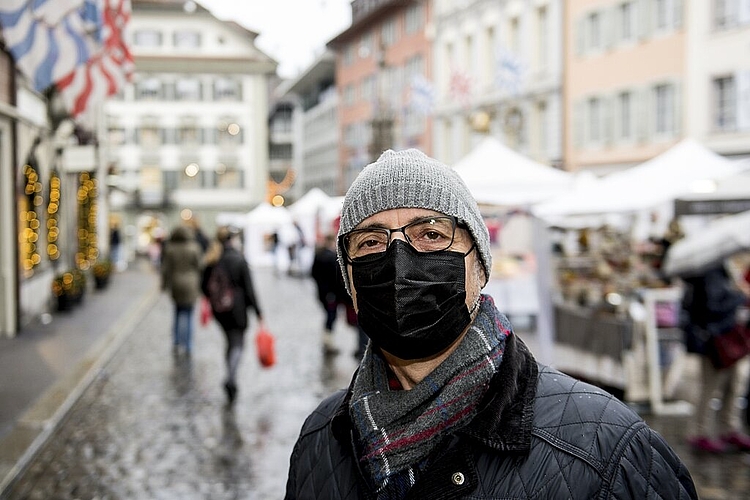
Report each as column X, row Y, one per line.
column 460, row 87
column 421, row 95
column 50, row 38
column 107, row 71
column 510, row 71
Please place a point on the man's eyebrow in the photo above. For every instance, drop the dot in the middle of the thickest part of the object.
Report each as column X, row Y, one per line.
column 380, row 225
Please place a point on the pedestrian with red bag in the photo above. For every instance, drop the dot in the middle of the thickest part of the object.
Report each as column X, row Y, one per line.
column 225, row 257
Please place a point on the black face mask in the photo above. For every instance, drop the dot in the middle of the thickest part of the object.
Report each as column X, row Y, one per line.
column 412, row 304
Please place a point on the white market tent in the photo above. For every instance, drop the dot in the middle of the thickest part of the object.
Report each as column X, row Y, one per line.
column 314, row 214
column 260, row 224
column 685, row 168
column 497, row 175
column 625, row 196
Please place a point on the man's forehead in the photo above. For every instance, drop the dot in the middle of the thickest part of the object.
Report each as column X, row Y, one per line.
column 397, row 217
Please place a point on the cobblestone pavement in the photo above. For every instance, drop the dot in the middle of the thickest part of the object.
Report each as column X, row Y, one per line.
column 156, row 426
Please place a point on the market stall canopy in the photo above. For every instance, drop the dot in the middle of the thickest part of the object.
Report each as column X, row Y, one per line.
column 266, row 214
column 310, row 203
column 497, row 175
column 686, row 168
column 718, row 240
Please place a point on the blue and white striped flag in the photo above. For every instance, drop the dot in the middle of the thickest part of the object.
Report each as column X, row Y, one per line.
column 421, row 95
column 49, row 39
column 510, row 71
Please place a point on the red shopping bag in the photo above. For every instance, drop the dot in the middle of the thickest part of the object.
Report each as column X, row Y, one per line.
column 205, row 311
column 264, row 342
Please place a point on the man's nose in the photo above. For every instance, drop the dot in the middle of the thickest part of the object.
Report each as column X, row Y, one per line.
column 402, row 235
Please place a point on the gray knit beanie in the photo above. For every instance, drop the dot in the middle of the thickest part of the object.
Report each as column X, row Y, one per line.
column 411, row 179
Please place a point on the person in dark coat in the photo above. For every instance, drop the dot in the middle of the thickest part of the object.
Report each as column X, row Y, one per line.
column 181, row 274
column 226, row 252
column 447, row 401
column 330, row 287
column 710, row 303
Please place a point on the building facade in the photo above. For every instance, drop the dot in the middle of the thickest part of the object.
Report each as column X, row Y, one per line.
column 315, row 126
column 718, row 75
column 189, row 137
column 625, row 81
column 498, row 70
column 383, row 61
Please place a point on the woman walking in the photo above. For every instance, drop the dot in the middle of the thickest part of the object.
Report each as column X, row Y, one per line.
column 181, row 275
column 229, row 287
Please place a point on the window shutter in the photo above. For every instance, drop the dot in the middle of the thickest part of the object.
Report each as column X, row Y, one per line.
column 645, row 8
column 608, row 119
column 579, row 121
column 679, row 10
column 642, row 116
column 743, row 100
column 580, row 37
column 677, row 105
column 608, row 27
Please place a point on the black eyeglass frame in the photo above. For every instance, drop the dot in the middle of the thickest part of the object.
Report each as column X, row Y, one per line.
column 343, row 239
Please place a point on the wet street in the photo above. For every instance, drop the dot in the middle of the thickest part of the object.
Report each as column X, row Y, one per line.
column 154, row 425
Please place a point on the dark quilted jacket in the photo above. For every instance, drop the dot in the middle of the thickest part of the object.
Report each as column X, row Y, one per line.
column 539, row 434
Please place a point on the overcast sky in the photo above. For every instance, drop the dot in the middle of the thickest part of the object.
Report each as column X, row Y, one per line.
column 293, row 32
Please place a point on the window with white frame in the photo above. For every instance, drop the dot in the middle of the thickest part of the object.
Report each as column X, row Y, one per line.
column 469, row 55
column 188, row 133
column 366, row 45
column 725, row 103
column 625, row 14
column 348, row 57
column 414, row 19
column 664, row 99
column 542, row 36
column 187, row 89
column 625, row 115
column 368, row 88
column 514, row 35
column 725, row 14
column 388, row 33
column 148, row 89
column 594, row 31
column 227, row 89
column 149, row 134
column 227, row 175
column 147, row 38
column 414, row 67
column 487, row 60
column 542, row 119
column 187, row 39
column 594, row 115
column 661, row 14
column 349, row 95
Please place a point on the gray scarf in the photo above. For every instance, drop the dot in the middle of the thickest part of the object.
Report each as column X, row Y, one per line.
column 398, row 430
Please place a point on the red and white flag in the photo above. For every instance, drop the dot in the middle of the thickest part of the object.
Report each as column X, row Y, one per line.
column 460, row 87
column 107, row 71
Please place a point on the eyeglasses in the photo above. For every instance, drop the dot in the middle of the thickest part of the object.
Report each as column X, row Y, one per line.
column 429, row 234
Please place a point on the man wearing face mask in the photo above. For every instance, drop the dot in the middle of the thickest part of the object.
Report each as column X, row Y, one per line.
column 447, row 402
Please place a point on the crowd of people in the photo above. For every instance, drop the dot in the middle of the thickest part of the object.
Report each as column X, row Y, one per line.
column 447, row 402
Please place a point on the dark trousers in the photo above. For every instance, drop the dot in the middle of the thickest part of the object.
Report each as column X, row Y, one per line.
column 235, row 345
